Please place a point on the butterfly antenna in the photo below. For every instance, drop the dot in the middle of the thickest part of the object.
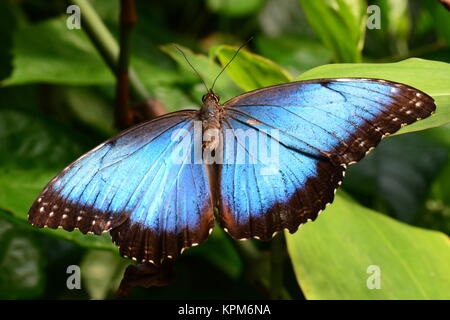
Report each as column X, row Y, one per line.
column 198, row 74
column 228, row 63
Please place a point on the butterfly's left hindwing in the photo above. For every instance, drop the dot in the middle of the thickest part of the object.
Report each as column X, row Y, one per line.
column 132, row 185
column 263, row 193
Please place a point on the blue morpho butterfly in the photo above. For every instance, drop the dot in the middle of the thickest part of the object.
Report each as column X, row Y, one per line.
column 154, row 186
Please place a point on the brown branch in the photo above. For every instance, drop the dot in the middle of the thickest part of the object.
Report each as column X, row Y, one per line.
column 128, row 18
column 109, row 50
column 127, row 115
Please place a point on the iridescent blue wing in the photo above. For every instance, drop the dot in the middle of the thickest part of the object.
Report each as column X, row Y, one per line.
column 153, row 203
column 262, row 195
column 321, row 127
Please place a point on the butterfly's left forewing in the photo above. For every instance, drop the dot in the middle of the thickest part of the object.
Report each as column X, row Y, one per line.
column 141, row 185
column 341, row 119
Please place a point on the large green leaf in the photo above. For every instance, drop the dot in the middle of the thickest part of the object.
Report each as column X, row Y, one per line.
column 429, row 76
column 340, row 24
column 332, row 256
column 250, row 71
column 48, row 52
column 295, row 53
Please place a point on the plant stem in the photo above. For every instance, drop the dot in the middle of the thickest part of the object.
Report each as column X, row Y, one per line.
column 107, row 46
column 248, row 251
column 124, row 115
column 259, row 268
column 276, row 266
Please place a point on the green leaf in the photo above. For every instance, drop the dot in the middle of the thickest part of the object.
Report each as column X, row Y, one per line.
column 440, row 19
column 295, row 53
column 331, row 256
column 49, row 52
column 30, row 140
column 21, row 263
column 99, row 114
column 429, row 76
column 207, row 69
column 175, row 99
column 102, row 272
column 340, row 24
column 234, row 8
column 33, row 149
column 20, row 188
column 250, row 71
column 10, row 19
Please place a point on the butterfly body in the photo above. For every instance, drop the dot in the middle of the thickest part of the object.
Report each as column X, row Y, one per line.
column 211, row 114
column 269, row 160
column 211, row 107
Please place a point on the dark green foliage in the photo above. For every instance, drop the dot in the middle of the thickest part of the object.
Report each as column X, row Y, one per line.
column 57, row 102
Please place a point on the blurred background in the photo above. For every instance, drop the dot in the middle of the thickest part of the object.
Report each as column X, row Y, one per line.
column 57, row 101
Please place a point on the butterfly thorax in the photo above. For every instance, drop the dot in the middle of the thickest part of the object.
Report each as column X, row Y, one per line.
column 211, row 115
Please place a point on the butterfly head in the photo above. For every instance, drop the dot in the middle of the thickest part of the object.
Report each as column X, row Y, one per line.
column 210, row 104
column 210, row 97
